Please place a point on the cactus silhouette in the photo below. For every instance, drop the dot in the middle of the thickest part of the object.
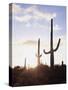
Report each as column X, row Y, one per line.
column 51, row 52
column 25, row 63
column 62, row 63
column 38, row 55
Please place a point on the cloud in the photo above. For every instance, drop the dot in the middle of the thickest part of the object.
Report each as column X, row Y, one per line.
column 31, row 13
column 23, row 18
column 57, row 27
column 45, row 16
column 16, row 9
column 30, row 42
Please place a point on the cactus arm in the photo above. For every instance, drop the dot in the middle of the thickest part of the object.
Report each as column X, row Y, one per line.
column 57, row 45
column 46, row 52
column 40, row 55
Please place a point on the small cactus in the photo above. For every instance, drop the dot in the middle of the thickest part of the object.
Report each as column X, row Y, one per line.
column 25, row 63
column 62, row 63
column 38, row 55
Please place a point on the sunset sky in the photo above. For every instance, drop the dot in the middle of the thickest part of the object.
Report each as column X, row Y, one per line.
column 30, row 22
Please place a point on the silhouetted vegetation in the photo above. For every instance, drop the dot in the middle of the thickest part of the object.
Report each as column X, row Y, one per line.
column 52, row 50
column 39, row 75
column 42, row 74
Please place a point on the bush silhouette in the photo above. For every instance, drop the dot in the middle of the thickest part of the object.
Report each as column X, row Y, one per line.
column 40, row 75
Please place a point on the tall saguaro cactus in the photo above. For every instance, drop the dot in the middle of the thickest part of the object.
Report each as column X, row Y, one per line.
column 51, row 52
column 38, row 55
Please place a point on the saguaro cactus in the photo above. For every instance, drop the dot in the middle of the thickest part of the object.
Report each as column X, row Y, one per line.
column 51, row 52
column 25, row 63
column 38, row 55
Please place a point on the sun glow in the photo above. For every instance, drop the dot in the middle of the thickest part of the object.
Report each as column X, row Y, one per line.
column 29, row 51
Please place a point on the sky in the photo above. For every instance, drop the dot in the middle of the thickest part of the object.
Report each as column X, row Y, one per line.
column 31, row 22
